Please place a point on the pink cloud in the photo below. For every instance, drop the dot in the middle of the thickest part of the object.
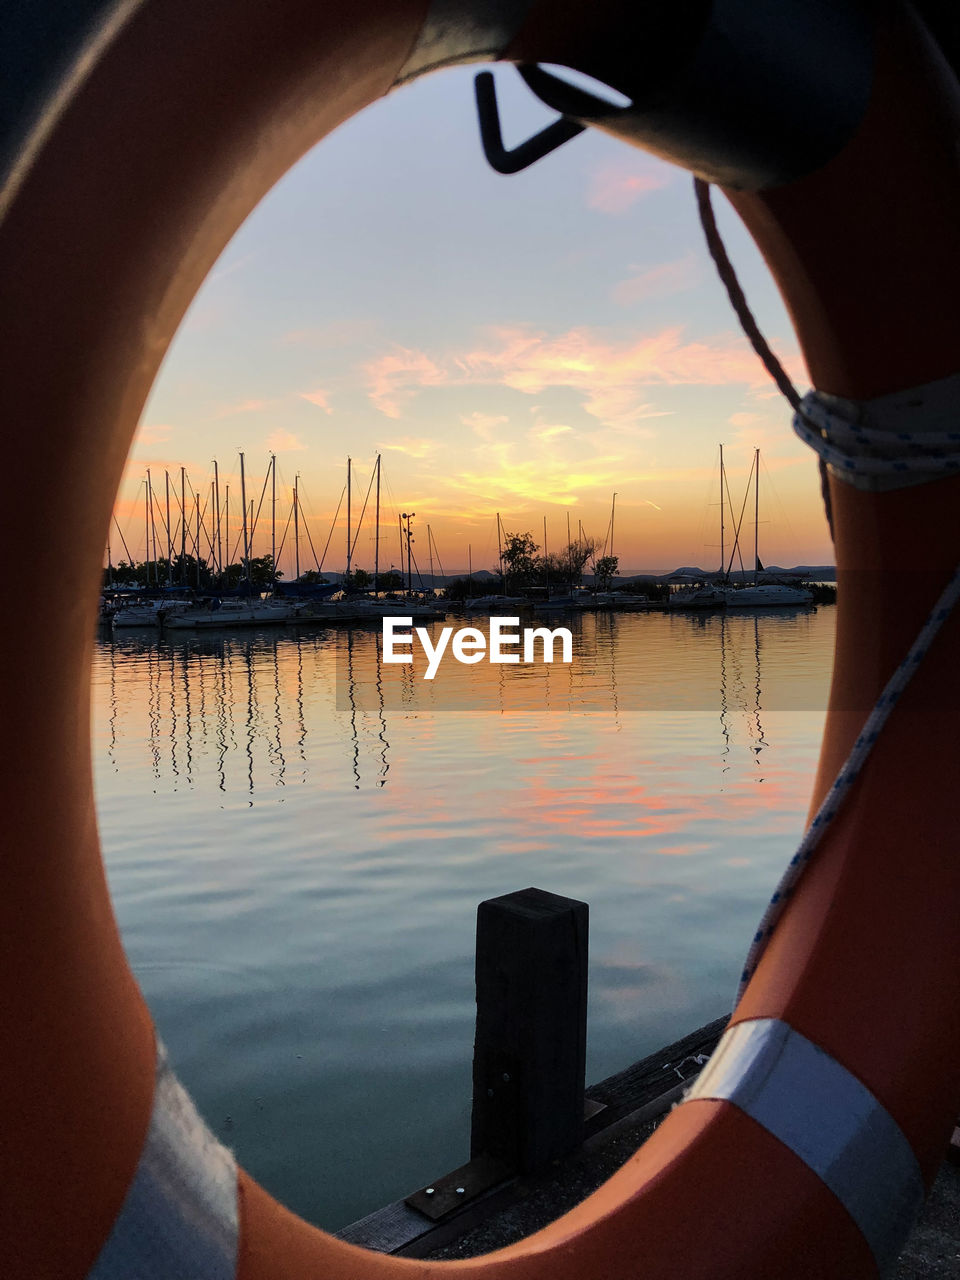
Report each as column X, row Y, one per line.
column 392, row 376
column 242, row 406
column 616, row 186
column 151, row 434
column 483, row 424
column 412, row 446
column 657, row 282
column 319, row 398
column 611, row 376
column 281, row 441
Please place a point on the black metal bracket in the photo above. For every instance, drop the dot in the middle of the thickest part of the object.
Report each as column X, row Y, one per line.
column 535, row 148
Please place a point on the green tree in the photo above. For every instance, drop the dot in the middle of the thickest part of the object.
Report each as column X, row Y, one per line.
column 462, row 589
column 262, row 572
column 520, row 566
column 566, row 565
column 605, row 570
column 184, row 571
column 390, row 581
column 361, row 579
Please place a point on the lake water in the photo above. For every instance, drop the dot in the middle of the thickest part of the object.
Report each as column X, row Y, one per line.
column 297, row 839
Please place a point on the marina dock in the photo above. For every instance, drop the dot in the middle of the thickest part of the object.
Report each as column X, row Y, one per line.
column 490, row 1203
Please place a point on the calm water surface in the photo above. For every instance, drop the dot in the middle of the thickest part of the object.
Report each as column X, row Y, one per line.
column 297, row 839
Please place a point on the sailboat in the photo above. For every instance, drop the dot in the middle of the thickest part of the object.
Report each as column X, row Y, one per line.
column 761, row 595
column 707, row 596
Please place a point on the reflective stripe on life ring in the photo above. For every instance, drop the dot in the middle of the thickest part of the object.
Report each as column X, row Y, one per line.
column 828, row 1119
column 180, row 1214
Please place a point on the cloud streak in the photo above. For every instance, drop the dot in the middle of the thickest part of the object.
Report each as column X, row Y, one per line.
column 412, row 446
column 615, row 187
column 661, row 281
column 282, row 441
column 612, row 377
column 320, row 398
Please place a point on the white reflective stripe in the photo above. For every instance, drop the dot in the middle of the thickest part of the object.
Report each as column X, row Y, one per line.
column 454, row 32
column 179, row 1220
column 826, row 1117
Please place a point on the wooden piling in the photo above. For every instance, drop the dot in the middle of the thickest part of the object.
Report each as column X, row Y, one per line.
column 530, row 1047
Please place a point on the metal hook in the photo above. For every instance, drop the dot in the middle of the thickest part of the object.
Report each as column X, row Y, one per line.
column 535, row 148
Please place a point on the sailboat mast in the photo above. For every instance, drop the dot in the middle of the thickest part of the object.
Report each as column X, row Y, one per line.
column 545, row 561
column 296, row 525
column 723, row 553
column 226, row 518
column 197, row 500
column 469, row 560
column 348, row 530
column 183, row 526
column 216, row 500
column 613, row 513
column 503, row 576
column 376, row 536
column 152, row 530
column 273, row 514
column 430, row 554
column 146, row 523
column 166, row 482
column 756, row 518
column 243, row 503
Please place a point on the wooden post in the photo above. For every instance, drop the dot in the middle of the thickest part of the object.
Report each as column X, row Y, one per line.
column 530, row 1048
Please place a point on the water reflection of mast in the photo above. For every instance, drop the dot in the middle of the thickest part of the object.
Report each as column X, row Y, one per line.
column 278, row 719
column 223, row 704
column 724, row 703
column 114, row 706
column 173, row 716
column 351, row 694
column 761, row 740
column 251, row 703
column 614, row 627
column 188, row 714
column 301, row 725
column 384, row 763
column 153, row 709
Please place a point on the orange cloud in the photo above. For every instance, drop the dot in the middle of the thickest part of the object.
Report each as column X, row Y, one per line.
column 545, row 433
column 616, row 186
column 393, row 375
column 412, row 446
column 657, row 282
column 483, row 423
column 281, row 441
column 150, row 434
column 242, row 406
column 744, row 419
column 537, row 481
column 609, row 375
column 319, row 398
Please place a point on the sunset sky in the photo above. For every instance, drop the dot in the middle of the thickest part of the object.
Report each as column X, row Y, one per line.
column 525, row 344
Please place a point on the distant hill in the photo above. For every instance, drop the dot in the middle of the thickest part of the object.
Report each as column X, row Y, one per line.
column 811, row 572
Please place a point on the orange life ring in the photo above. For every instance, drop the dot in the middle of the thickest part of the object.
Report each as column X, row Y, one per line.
column 134, row 157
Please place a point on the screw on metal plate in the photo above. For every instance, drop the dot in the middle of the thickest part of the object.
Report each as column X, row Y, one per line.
column 460, row 1187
